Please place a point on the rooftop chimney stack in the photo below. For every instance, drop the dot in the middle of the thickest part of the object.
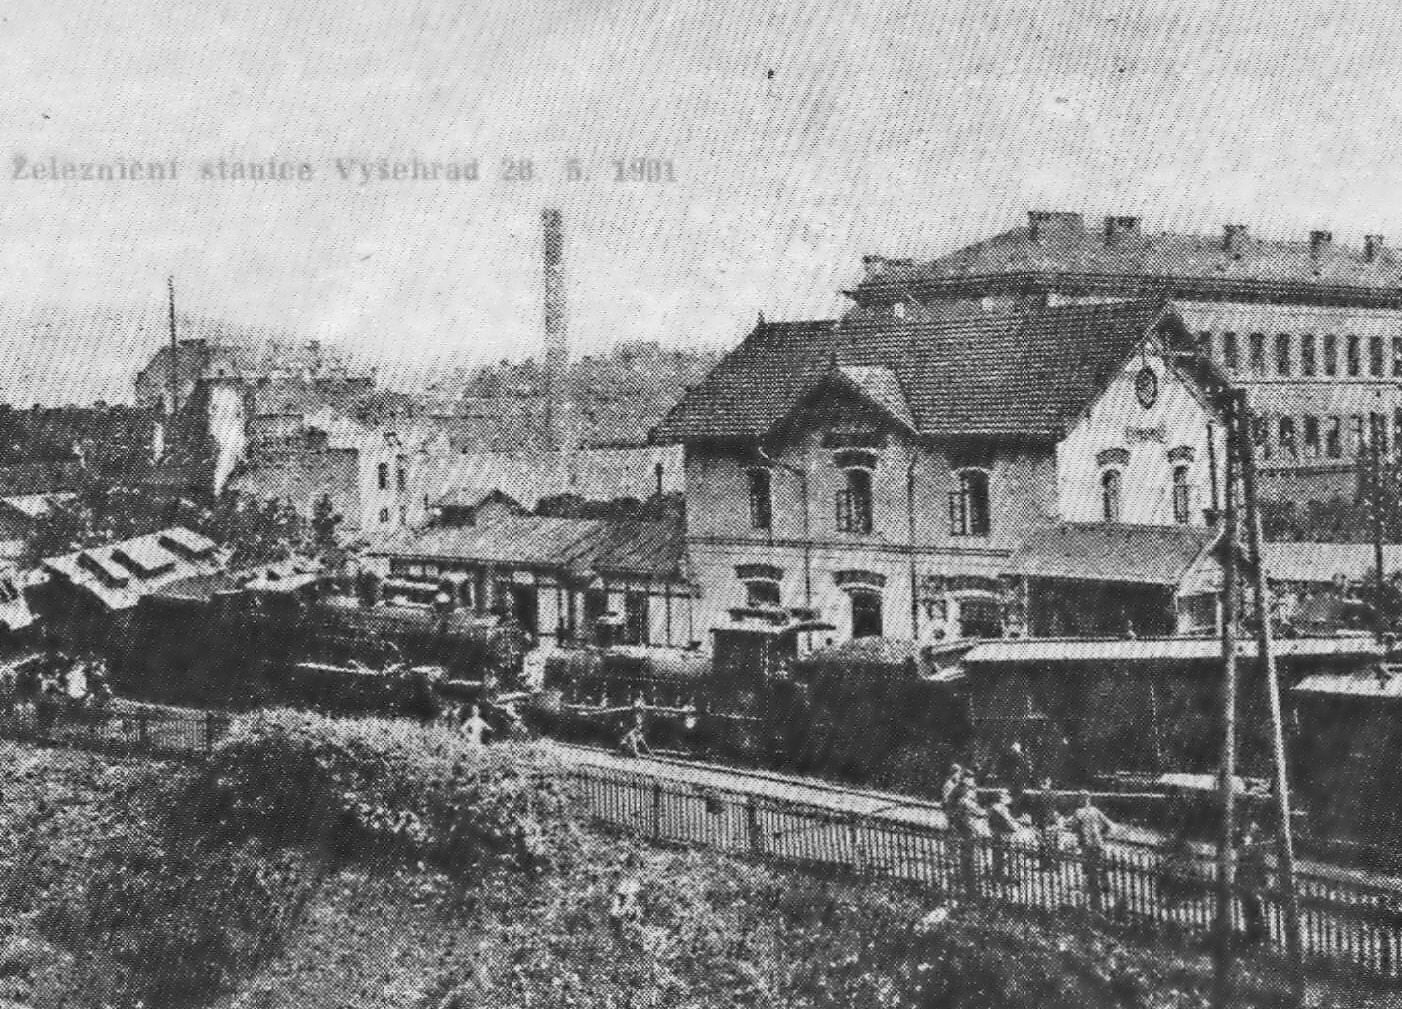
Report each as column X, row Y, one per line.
column 1372, row 248
column 1050, row 223
column 1319, row 241
column 557, row 347
column 1234, row 239
column 1118, row 227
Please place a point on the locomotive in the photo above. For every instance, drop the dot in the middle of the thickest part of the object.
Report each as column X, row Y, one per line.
column 305, row 639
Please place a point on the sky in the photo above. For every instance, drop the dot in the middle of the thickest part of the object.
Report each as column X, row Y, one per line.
column 800, row 137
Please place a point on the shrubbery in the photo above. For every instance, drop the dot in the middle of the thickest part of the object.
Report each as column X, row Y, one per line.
column 357, row 786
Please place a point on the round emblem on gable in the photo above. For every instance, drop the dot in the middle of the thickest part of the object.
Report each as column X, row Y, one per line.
column 1146, row 387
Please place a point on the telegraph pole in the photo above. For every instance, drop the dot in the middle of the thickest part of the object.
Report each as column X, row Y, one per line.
column 1226, row 841
column 1285, row 846
column 174, row 352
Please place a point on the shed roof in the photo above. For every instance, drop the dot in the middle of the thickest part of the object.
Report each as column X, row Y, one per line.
column 1048, row 651
column 529, row 541
column 119, row 574
column 1362, row 684
column 1110, row 552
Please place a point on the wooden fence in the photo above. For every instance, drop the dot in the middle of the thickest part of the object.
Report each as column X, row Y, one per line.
column 1342, row 922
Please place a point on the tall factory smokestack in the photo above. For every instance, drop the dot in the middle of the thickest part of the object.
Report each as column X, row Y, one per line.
column 557, row 345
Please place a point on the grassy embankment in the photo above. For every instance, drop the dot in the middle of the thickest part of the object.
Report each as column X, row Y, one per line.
column 320, row 863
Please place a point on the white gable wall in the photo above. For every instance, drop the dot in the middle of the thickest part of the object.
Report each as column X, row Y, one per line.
column 1117, row 420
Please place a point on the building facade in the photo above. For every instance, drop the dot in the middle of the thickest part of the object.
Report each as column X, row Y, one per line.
column 1311, row 328
column 877, row 474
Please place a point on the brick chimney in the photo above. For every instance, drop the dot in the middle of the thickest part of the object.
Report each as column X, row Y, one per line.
column 1234, row 239
column 1050, row 223
column 557, row 346
column 1118, row 227
column 1319, row 241
column 1372, row 248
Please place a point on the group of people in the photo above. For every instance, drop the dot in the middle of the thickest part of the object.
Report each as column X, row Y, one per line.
column 1039, row 813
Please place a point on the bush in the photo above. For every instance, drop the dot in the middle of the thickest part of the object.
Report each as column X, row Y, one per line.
column 356, row 786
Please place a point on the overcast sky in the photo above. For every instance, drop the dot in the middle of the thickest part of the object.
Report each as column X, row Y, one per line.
column 801, row 137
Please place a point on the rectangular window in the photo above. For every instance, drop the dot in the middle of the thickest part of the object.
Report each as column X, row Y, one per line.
column 1360, row 433
column 1307, row 364
column 1282, row 354
column 969, row 513
column 761, row 501
column 1287, row 438
column 1354, row 360
column 1334, row 438
column 1397, row 356
column 1182, row 501
column 1331, row 354
column 1231, row 354
column 1258, row 353
column 1311, row 437
column 1260, row 434
column 1375, row 356
column 1377, row 428
column 866, row 615
column 635, row 618
column 401, row 478
column 384, row 516
column 760, row 594
column 384, row 476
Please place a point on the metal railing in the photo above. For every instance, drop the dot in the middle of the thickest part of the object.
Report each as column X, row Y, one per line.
column 156, row 731
column 1342, row 922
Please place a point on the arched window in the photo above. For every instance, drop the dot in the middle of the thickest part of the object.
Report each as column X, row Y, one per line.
column 1110, row 495
column 1182, row 496
column 968, row 504
column 854, row 503
column 761, row 501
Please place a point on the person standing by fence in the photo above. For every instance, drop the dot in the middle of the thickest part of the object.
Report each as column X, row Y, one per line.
column 1092, row 828
column 1047, row 821
column 1003, row 828
column 970, row 824
column 1253, row 877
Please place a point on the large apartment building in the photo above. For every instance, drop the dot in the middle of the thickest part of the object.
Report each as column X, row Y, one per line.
column 1312, row 328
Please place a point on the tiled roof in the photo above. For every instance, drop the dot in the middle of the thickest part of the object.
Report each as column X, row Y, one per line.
column 1110, row 552
column 1067, row 250
column 577, row 545
column 981, row 373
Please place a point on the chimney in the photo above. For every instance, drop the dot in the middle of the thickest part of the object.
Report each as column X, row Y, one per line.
column 1234, row 239
column 1117, row 227
column 557, row 348
column 1319, row 241
column 1049, row 223
column 1372, row 248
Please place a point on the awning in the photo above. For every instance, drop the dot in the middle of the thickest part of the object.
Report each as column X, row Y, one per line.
column 1365, row 684
column 1110, row 552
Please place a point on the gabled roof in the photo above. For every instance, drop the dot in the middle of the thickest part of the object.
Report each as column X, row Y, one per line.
column 1110, row 552
column 1007, row 374
column 880, row 385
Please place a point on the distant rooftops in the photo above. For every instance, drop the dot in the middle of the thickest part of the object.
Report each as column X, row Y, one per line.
column 1120, row 256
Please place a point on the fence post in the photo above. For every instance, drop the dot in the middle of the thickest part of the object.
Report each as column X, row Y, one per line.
column 657, row 810
column 752, row 826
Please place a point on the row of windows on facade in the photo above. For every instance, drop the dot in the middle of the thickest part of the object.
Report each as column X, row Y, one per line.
column 1287, row 355
column 1311, row 437
column 1112, row 496
column 969, row 513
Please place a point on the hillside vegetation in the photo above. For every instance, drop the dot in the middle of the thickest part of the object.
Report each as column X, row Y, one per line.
column 330, row 863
